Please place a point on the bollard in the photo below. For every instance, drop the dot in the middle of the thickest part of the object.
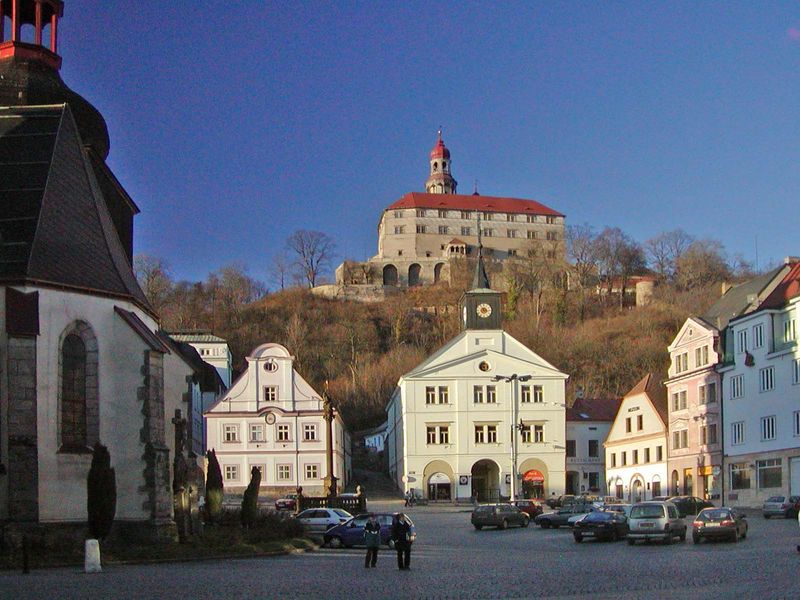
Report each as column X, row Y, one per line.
column 92, row 557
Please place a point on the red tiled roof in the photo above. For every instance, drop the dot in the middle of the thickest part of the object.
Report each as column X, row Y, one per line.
column 473, row 202
column 655, row 390
column 787, row 289
column 440, row 150
column 594, row 409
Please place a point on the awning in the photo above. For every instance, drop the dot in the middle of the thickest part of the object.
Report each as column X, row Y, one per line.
column 533, row 476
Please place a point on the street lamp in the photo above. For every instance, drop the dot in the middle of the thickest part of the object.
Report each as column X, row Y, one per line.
column 516, row 424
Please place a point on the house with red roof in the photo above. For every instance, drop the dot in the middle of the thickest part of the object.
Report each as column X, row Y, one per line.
column 588, row 424
column 422, row 236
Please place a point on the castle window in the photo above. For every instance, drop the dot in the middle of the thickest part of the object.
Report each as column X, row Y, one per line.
column 73, row 392
column 444, row 229
column 420, row 212
column 465, row 214
column 531, row 218
column 531, row 235
column 512, row 233
column 466, row 231
column 550, row 220
column 420, row 228
column 487, row 216
column 435, row 166
column 442, row 214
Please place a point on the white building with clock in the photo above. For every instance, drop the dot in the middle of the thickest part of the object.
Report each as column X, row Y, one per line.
column 483, row 417
column 272, row 419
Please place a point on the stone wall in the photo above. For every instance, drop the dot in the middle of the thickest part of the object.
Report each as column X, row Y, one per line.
column 23, row 464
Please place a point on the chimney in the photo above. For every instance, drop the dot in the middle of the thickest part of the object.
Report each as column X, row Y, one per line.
column 726, row 285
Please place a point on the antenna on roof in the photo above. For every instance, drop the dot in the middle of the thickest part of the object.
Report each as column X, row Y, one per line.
column 475, row 191
column 440, row 132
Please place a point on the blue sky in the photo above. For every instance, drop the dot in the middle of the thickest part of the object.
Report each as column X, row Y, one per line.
column 233, row 127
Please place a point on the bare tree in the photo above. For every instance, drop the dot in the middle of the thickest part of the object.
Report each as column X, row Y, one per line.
column 583, row 252
column 313, row 252
column 703, row 262
column 281, row 267
column 665, row 250
column 153, row 275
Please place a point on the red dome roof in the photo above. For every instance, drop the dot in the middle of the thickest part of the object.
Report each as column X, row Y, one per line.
column 440, row 150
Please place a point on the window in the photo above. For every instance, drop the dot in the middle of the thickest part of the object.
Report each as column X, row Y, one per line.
column 766, row 378
column 444, row 434
column 431, row 434
column 531, row 218
column 270, row 393
column 594, row 448
column 740, row 476
column 309, row 432
column 767, row 428
column 789, row 331
column 680, row 439
column 283, row 432
column 430, row 395
column 769, row 473
column 758, row 336
column 627, row 424
column 284, row 472
column 525, row 431
column 399, row 229
column 261, row 470
column 538, row 394
column 488, row 232
column 570, row 448
column 485, row 434
column 231, row 472
column 737, row 386
column 701, row 356
column 438, row 434
column 491, row 394
column 659, row 453
column 538, row 434
column 420, row 212
column 444, row 394
column 477, row 394
column 796, row 370
column 635, row 457
column 552, row 236
column 465, row 214
column 512, row 233
column 613, row 460
column 230, row 433
column 623, row 458
column 466, row 231
column 73, row 392
column 647, row 456
column 796, row 423
column 525, row 391
column 531, row 235
column 256, row 432
column 312, row 471
column 421, row 229
column 550, row 220
column 511, row 217
column 656, row 488
column 442, row 214
column 708, row 392
column 708, row 434
column 737, row 433
column 741, row 341
column 487, row 216
column 594, row 480
column 681, row 362
column 679, row 400
column 398, row 214
column 639, row 422
column 444, row 229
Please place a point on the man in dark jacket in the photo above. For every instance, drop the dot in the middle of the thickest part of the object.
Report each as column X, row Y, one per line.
column 401, row 535
column 372, row 539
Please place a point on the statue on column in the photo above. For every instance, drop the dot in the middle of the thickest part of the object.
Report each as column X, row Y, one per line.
column 180, row 481
column 329, row 415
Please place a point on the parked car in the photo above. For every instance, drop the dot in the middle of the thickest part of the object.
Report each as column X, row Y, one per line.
column 498, row 515
column 781, row 506
column 529, row 507
column 561, row 517
column 689, row 505
column 319, row 520
column 288, row 502
column 719, row 523
column 602, row 525
column 655, row 520
column 351, row 532
column 618, row 507
column 590, row 508
column 558, row 501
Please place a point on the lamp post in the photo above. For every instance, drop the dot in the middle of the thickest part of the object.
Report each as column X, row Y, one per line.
column 516, row 424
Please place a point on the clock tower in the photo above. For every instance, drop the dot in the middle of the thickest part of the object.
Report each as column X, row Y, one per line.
column 480, row 306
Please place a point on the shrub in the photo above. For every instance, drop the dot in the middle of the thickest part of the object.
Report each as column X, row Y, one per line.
column 250, row 500
column 214, row 487
column 101, row 493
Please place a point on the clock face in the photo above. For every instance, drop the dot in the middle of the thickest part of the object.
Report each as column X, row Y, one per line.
column 484, row 310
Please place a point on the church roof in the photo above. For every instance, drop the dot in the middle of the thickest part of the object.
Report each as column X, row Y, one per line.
column 473, row 202
column 57, row 229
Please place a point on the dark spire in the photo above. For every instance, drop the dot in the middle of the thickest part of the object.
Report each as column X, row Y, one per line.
column 481, row 280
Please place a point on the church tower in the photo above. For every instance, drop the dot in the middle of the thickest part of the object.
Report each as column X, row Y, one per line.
column 440, row 180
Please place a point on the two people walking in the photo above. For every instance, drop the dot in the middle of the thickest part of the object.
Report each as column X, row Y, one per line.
column 400, row 535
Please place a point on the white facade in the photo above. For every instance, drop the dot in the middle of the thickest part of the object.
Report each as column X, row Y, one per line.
column 586, row 471
column 636, row 447
column 273, row 419
column 761, row 395
column 449, row 421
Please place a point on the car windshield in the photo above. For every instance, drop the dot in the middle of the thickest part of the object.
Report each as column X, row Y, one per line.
column 305, row 514
column 598, row 517
column 775, row 498
column 715, row 514
column 485, row 509
column 647, row 511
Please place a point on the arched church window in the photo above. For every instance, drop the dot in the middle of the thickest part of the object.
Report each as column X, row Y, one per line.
column 73, row 393
column 435, row 167
column 444, row 165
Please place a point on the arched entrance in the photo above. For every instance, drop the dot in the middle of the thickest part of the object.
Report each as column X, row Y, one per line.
column 637, row 489
column 438, row 479
column 486, row 481
column 573, row 482
column 655, row 486
column 674, row 487
column 534, row 478
column 413, row 274
column 389, row 275
column 437, row 272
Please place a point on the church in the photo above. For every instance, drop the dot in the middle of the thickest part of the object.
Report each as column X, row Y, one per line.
column 484, row 417
column 82, row 359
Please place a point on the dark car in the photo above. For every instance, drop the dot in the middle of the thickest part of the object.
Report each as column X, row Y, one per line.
column 719, row 523
column 557, row 501
column 689, row 505
column 351, row 533
column 561, row 517
column 529, row 507
column 602, row 525
column 498, row 515
column 288, row 502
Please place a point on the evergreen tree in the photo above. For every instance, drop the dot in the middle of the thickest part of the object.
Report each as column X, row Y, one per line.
column 250, row 500
column 101, row 493
column 214, row 487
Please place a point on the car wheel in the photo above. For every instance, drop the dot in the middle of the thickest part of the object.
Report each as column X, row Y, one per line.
column 335, row 542
column 390, row 543
column 554, row 526
column 578, row 537
column 544, row 524
column 525, row 522
column 735, row 538
column 696, row 539
column 631, row 541
column 614, row 535
column 478, row 527
column 683, row 536
column 766, row 516
column 504, row 524
column 668, row 539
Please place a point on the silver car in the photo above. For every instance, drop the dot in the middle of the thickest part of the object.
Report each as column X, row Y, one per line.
column 781, row 506
column 655, row 521
column 319, row 520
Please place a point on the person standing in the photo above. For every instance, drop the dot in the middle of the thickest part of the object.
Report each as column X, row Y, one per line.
column 408, row 497
column 401, row 535
column 372, row 539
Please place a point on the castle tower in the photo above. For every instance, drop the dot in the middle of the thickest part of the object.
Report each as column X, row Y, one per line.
column 440, row 180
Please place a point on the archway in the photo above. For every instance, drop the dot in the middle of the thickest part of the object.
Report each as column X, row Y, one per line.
column 437, row 272
column 637, row 489
column 534, row 478
column 438, row 479
column 674, row 487
column 389, row 275
column 486, row 481
column 413, row 275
